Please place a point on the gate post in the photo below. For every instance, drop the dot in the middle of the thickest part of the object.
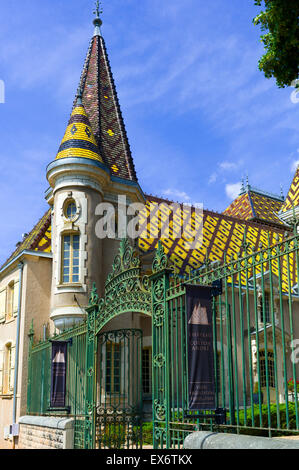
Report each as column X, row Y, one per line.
column 90, row 371
column 160, row 338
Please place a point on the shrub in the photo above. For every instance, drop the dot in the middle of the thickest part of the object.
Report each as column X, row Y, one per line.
column 147, row 433
column 263, row 421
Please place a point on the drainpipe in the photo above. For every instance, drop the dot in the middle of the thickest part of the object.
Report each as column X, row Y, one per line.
column 21, row 267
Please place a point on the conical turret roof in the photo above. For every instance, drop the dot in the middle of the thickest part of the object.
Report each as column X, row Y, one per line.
column 79, row 140
column 102, row 107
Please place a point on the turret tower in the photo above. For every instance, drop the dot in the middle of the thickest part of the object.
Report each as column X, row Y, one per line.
column 93, row 166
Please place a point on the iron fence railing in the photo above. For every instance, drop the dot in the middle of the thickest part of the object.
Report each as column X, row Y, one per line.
column 39, row 379
column 255, row 331
column 255, row 325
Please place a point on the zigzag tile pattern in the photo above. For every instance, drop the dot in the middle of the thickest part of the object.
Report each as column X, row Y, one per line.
column 102, row 106
column 292, row 199
column 215, row 234
column 266, row 208
column 254, row 206
column 241, row 207
column 39, row 239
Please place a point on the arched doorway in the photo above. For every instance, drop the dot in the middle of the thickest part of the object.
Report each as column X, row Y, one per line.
column 114, row 386
column 119, row 410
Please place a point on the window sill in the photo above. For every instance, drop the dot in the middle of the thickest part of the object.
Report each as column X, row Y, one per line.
column 6, row 396
column 66, row 409
column 71, row 284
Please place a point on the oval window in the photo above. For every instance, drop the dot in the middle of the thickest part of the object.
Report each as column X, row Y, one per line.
column 71, row 210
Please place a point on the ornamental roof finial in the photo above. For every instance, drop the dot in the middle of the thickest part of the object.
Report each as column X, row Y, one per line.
column 242, row 190
column 97, row 21
column 79, row 96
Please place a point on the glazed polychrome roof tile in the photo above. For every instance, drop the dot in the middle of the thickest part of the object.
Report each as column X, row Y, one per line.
column 101, row 102
column 222, row 235
column 78, row 140
column 292, row 199
column 255, row 206
column 39, row 239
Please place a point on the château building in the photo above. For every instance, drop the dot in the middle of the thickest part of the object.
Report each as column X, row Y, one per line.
column 47, row 281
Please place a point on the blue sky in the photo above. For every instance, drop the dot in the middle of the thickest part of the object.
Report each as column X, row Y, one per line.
column 198, row 112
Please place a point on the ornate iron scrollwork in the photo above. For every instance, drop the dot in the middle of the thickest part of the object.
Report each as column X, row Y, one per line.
column 159, row 360
column 160, row 410
column 126, row 289
column 158, row 315
column 160, row 260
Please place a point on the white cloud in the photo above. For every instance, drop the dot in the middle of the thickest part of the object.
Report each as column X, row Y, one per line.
column 228, row 165
column 181, row 195
column 225, row 166
column 233, row 190
column 294, row 166
column 213, row 178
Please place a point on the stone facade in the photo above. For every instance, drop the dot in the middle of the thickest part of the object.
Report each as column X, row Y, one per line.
column 46, row 433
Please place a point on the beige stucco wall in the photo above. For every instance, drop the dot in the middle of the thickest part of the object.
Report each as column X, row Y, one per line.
column 35, row 304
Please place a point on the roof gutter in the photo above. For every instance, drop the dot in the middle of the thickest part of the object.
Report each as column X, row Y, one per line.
column 23, row 253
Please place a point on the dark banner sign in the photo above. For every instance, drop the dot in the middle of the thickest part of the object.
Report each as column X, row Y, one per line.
column 201, row 375
column 58, row 379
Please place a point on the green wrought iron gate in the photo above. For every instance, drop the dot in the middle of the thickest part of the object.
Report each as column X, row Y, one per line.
column 114, row 401
column 119, row 390
column 256, row 333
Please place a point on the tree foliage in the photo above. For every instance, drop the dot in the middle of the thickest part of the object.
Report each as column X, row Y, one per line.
column 279, row 21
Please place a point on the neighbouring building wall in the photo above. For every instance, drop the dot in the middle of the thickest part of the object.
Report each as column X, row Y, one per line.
column 35, row 304
column 9, row 290
column 37, row 291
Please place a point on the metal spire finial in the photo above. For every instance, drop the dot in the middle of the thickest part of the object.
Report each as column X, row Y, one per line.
column 242, row 186
column 97, row 12
column 97, row 21
column 79, row 95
